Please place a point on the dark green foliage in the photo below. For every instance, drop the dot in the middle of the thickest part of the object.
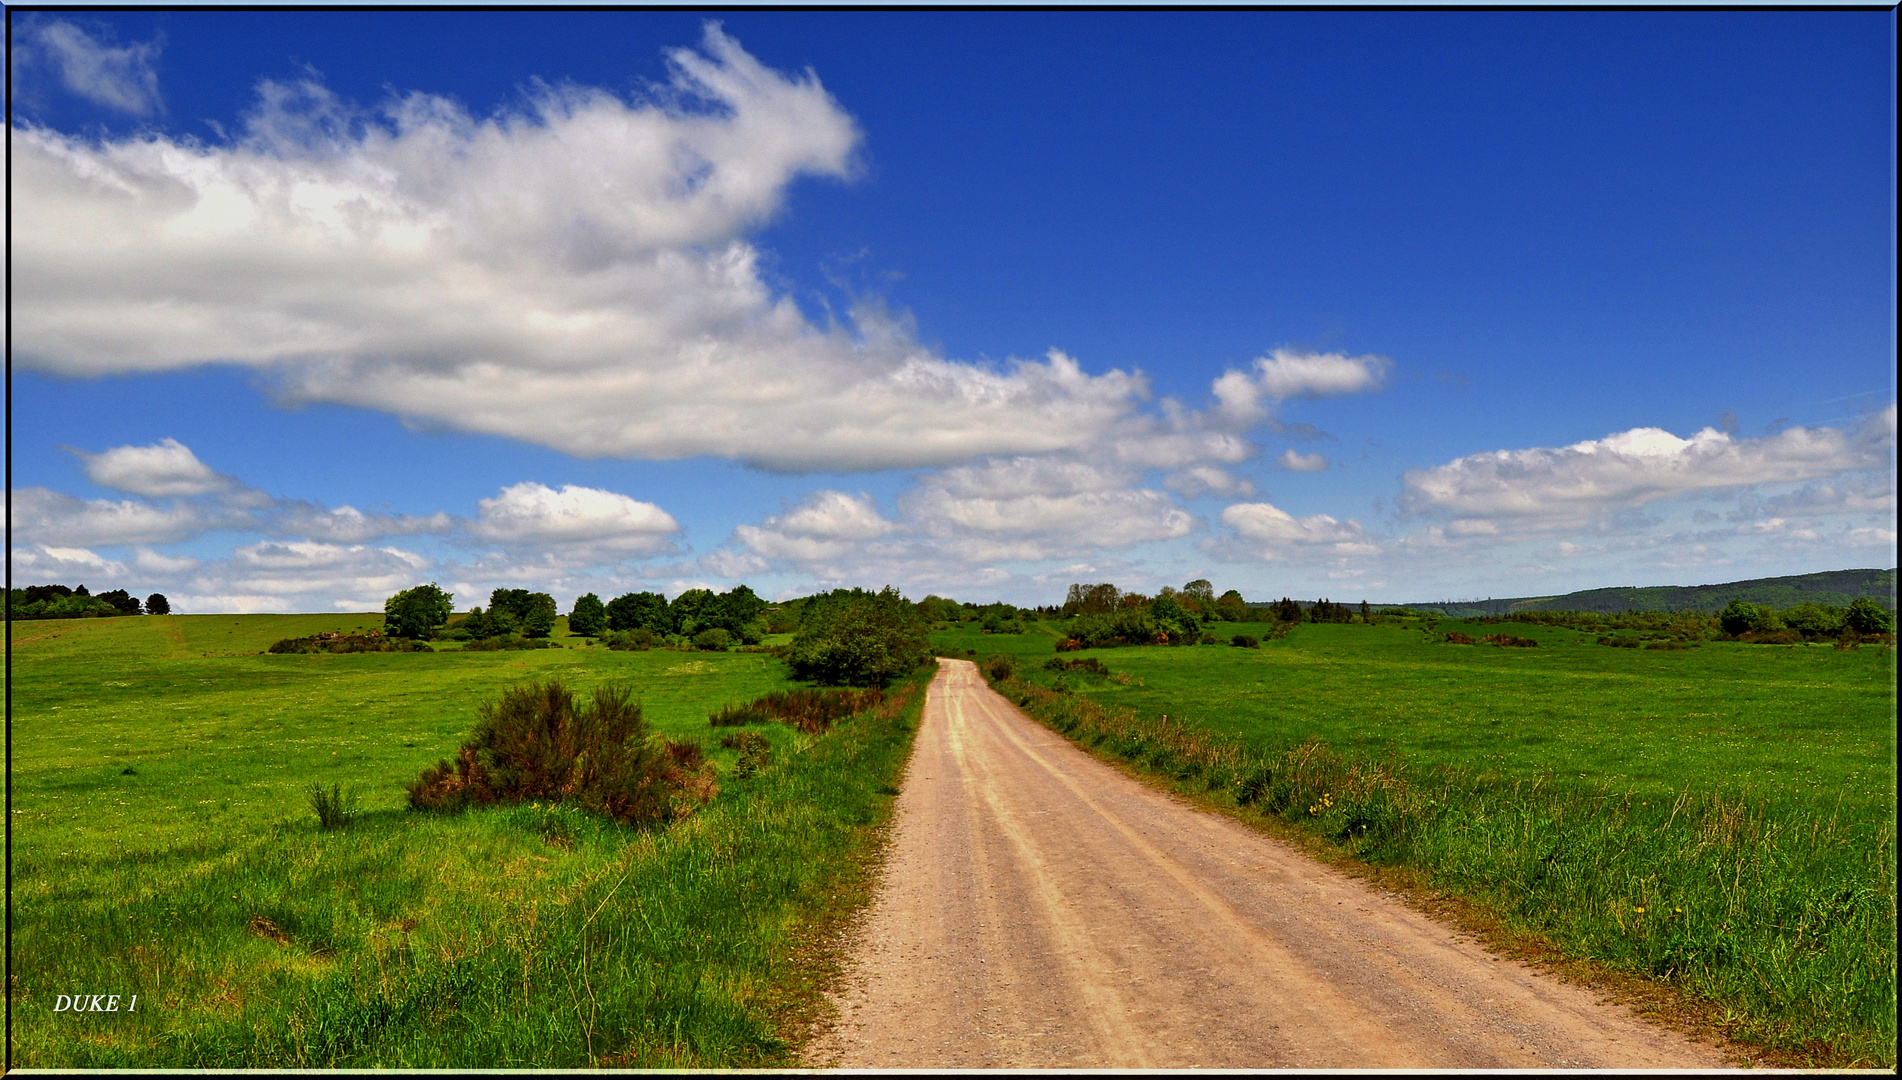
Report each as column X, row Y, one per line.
column 1230, row 607
column 416, row 613
column 1835, row 588
column 505, row 642
column 589, row 616
column 715, row 640
column 1741, row 618
column 638, row 639
column 124, row 602
column 755, row 753
column 330, row 642
column 1245, row 641
column 1091, row 600
column 998, row 666
column 1323, row 611
column 811, row 711
column 1865, row 616
column 532, row 613
column 850, row 637
column 59, row 602
column 1089, row 665
column 689, row 610
column 535, row 743
column 335, row 809
column 1125, row 626
column 640, row 611
column 156, row 604
column 1286, row 610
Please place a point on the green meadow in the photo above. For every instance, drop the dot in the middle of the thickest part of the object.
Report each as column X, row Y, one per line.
column 1718, row 818
column 163, row 847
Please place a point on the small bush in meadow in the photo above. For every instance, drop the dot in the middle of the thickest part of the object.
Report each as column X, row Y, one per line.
column 536, row 743
column 998, row 666
column 755, row 753
column 1454, row 637
column 1245, row 641
column 1089, row 665
column 714, row 640
column 335, row 808
column 1509, row 641
column 811, row 711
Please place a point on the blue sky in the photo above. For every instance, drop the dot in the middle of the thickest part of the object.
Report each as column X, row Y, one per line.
column 309, row 307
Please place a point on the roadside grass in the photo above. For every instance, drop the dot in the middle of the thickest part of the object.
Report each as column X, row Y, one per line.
column 1719, row 820
column 164, row 847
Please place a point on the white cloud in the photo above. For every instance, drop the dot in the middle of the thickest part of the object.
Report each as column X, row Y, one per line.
column 1284, row 374
column 165, row 468
column 1557, row 488
column 531, row 514
column 116, row 76
column 47, row 565
column 51, row 517
column 153, row 564
column 347, row 524
column 1201, row 479
column 1295, row 461
column 302, row 575
column 826, row 526
column 572, row 274
column 1266, row 531
column 1040, row 507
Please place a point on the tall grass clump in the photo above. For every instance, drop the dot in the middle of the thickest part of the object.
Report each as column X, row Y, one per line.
column 536, row 743
column 811, row 711
column 335, row 809
column 1782, row 917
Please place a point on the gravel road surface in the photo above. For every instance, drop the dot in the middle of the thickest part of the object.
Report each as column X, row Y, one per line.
column 1041, row 909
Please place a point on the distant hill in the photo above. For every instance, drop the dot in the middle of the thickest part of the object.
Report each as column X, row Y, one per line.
column 1836, row 588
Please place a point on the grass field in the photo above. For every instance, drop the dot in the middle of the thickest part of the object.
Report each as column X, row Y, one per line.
column 163, row 847
column 1721, row 818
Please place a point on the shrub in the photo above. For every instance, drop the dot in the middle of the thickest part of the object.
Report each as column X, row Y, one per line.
column 1740, row 618
column 636, row 640
column 156, row 604
column 1454, row 637
column 1245, row 641
column 714, row 640
column 335, row 808
column 346, row 643
column 1783, row 636
column 508, row 642
column 998, row 666
column 1089, row 665
column 1510, row 641
column 535, row 743
column 811, row 711
column 755, row 753
column 856, row 638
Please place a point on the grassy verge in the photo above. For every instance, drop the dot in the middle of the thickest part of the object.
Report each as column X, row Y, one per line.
column 163, row 849
column 1778, row 918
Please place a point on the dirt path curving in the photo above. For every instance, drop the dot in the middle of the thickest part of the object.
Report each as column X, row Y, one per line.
column 1040, row 909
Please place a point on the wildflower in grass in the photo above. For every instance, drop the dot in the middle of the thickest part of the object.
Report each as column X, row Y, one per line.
column 1327, row 800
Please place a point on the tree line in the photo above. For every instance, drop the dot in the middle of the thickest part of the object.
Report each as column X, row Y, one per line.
column 60, row 602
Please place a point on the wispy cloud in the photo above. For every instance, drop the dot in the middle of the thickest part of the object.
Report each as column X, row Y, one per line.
column 116, row 76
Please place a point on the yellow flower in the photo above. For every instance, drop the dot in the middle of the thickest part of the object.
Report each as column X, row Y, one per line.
column 1638, row 910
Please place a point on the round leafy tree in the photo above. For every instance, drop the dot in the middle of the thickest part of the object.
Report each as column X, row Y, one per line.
column 416, row 613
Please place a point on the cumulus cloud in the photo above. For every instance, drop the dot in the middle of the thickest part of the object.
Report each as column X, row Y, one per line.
column 167, row 467
column 46, row 564
column 347, row 524
column 572, row 273
column 1549, row 488
column 116, row 76
column 535, row 515
column 1207, row 479
column 44, row 516
column 1040, row 507
column 1266, row 531
column 1243, row 396
column 825, row 526
column 1295, row 461
column 302, row 575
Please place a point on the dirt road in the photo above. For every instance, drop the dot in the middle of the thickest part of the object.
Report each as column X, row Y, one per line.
column 1040, row 909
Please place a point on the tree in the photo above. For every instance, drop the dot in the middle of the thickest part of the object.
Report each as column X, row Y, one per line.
column 123, row 601
column 588, row 617
column 1199, row 596
column 692, row 611
column 1231, row 607
column 1286, row 610
column 855, row 638
column 1741, row 618
column 416, row 613
column 640, row 611
column 1868, row 617
column 156, row 604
